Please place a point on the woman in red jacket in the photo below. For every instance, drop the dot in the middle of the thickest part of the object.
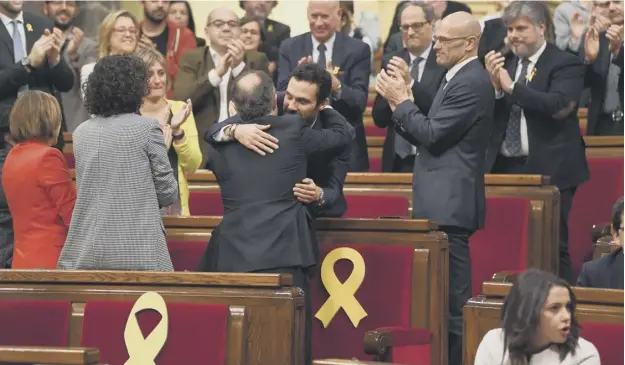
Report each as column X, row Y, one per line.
column 37, row 184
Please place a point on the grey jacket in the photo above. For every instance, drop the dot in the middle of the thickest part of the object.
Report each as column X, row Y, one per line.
column 123, row 177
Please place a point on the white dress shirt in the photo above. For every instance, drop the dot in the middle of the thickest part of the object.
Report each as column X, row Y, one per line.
column 424, row 57
column 222, row 82
column 9, row 26
column 456, row 68
column 499, row 94
column 329, row 46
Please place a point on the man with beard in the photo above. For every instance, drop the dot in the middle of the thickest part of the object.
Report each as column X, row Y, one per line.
column 536, row 129
column 169, row 39
column 30, row 58
column 78, row 51
column 307, row 94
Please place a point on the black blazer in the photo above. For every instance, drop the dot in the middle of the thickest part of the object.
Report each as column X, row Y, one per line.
column 14, row 75
column 274, row 33
column 264, row 226
column 603, row 273
column 448, row 178
column 423, row 93
column 353, row 59
column 550, row 103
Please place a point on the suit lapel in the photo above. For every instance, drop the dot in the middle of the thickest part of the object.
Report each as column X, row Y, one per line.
column 6, row 37
column 307, row 50
column 429, row 72
column 32, row 30
column 208, row 64
column 338, row 51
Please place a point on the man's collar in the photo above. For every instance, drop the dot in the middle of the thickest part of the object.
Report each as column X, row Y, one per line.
column 534, row 58
column 424, row 55
column 6, row 20
column 457, row 67
column 329, row 43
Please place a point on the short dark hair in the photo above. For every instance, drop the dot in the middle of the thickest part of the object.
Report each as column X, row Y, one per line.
column 315, row 74
column 428, row 11
column 116, row 86
column 522, row 309
column 253, row 95
column 617, row 214
column 249, row 19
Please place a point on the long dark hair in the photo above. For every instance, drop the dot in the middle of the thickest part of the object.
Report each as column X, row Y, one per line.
column 191, row 23
column 522, row 310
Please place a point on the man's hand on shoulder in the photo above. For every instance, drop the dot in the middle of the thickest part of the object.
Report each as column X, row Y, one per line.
column 307, row 191
column 254, row 137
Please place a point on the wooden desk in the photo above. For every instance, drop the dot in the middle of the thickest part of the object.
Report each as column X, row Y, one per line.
column 49, row 355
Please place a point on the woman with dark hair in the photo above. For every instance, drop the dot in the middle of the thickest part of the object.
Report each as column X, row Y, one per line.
column 123, row 175
column 180, row 13
column 538, row 326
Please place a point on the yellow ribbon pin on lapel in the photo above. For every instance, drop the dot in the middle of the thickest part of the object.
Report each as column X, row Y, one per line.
column 29, row 27
column 143, row 351
column 342, row 295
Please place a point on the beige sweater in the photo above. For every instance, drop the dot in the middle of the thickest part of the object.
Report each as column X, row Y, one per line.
column 491, row 349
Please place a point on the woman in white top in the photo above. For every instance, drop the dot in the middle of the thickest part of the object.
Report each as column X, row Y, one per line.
column 117, row 36
column 538, row 326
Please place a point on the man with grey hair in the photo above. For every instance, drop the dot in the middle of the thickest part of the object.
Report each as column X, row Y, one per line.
column 536, row 130
column 265, row 228
column 418, row 67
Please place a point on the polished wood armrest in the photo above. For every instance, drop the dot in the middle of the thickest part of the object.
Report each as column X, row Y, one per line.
column 505, row 276
column 49, row 355
column 600, row 230
column 381, row 341
column 348, row 362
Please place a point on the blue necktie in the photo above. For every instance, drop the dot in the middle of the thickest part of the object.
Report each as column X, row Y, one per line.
column 18, row 49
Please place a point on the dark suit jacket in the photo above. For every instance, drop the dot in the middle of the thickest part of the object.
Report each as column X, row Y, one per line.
column 492, row 38
column 264, row 226
column 423, row 93
column 274, row 34
column 549, row 101
column 14, row 75
column 603, row 273
column 597, row 79
column 327, row 169
column 6, row 220
column 192, row 83
column 353, row 58
column 448, row 178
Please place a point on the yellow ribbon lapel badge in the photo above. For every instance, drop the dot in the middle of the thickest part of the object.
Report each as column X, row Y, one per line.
column 270, row 28
column 531, row 75
column 342, row 295
column 143, row 351
column 29, row 27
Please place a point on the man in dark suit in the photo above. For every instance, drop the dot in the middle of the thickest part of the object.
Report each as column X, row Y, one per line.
column 30, row 58
column 451, row 142
column 536, row 126
column 348, row 61
column 307, row 95
column 274, row 33
column 206, row 72
column 277, row 235
column 601, row 51
column 423, row 76
column 607, row 271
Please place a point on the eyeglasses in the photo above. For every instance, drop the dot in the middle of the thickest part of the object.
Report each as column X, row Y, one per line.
column 131, row 31
column 416, row 27
column 445, row 40
column 221, row 23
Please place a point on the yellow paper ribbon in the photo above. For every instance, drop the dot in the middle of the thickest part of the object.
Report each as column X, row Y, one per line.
column 29, row 27
column 342, row 295
column 143, row 351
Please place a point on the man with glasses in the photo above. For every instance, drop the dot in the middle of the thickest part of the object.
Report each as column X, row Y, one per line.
column 451, row 141
column 206, row 72
column 607, row 272
column 418, row 67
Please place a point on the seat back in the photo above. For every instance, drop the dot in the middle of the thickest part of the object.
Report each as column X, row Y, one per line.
column 34, row 322
column 607, row 338
column 385, row 295
column 203, row 202
column 197, row 332
column 593, row 204
column 186, row 255
column 375, row 206
column 504, row 236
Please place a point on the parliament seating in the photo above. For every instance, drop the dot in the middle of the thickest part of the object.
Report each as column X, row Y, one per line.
column 599, row 311
column 594, row 200
column 197, row 333
column 265, row 306
column 48, row 355
column 419, row 286
column 23, row 321
column 350, row 362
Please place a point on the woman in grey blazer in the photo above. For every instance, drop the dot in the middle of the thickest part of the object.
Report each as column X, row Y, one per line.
column 123, row 176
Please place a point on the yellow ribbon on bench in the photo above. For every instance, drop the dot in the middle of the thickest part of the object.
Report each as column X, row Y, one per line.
column 143, row 351
column 342, row 295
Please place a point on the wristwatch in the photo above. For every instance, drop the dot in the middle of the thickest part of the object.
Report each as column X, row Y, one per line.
column 322, row 199
column 26, row 63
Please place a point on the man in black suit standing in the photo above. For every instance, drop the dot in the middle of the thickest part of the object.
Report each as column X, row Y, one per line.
column 277, row 236
column 348, row 61
column 451, row 142
column 536, row 126
column 30, row 58
column 422, row 75
column 274, row 33
column 307, row 95
column 607, row 272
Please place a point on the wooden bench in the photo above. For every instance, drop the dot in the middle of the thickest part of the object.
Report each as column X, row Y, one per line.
column 266, row 311
column 429, row 282
column 49, row 355
column 595, row 307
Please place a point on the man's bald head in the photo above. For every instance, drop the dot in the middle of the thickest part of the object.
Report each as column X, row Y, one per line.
column 457, row 37
column 324, row 18
column 253, row 95
column 220, row 14
column 222, row 27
